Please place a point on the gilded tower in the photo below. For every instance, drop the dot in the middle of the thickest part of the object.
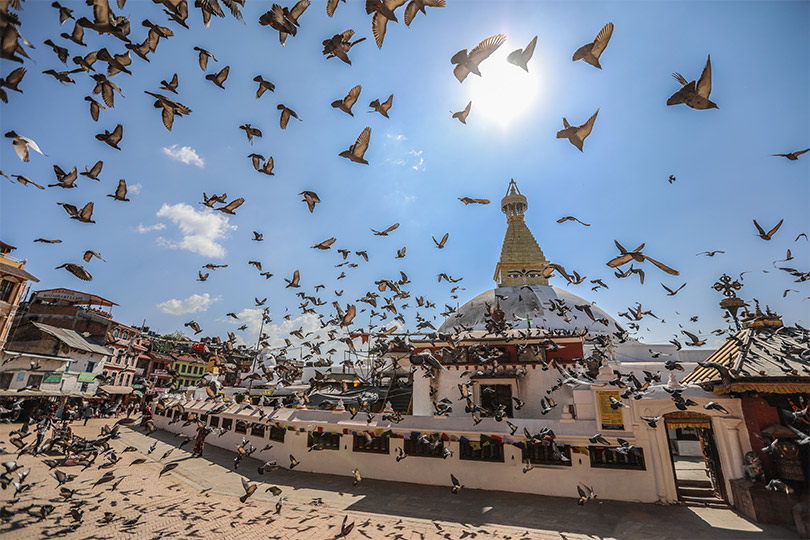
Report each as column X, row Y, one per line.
column 522, row 261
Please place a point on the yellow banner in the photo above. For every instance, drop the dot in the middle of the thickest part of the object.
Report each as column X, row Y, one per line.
column 609, row 418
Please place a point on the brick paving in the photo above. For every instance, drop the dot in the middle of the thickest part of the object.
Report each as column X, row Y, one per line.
column 200, row 499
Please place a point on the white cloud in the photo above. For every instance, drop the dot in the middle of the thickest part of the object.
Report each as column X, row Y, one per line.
column 135, row 189
column 201, row 229
column 418, row 162
column 184, row 154
column 396, row 137
column 143, row 229
column 192, row 304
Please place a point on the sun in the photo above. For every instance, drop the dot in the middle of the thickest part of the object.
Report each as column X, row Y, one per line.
column 504, row 92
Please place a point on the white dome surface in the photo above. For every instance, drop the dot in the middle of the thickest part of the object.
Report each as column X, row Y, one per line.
column 534, row 301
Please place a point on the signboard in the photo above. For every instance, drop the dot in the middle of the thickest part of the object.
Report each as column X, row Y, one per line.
column 53, row 378
column 197, row 347
column 87, row 377
column 609, row 417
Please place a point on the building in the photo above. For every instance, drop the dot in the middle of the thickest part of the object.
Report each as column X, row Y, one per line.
column 510, row 395
column 189, row 370
column 126, row 345
column 60, row 358
column 13, row 279
column 65, row 308
column 766, row 367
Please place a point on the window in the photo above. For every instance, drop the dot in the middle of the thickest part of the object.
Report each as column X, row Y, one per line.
column 184, row 416
column 214, row 421
column 474, row 451
column 415, row 447
column 6, row 288
column 125, row 335
column 241, row 426
column 227, row 423
column 543, row 454
column 376, row 445
column 116, row 332
column 91, row 366
column 277, row 434
column 605, row 457
column 204, row 418
column 329, row 441
column 493, row 395
column 257, row 430
column 5, row 380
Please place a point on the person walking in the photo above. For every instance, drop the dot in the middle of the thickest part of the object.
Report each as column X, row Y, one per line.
column 199, row 442
column 42, row 429
column 88, row 412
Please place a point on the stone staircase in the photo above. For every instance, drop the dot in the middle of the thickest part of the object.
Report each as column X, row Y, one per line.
column 699, row 493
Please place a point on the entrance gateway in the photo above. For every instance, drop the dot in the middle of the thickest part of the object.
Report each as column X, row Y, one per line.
column 695, row 461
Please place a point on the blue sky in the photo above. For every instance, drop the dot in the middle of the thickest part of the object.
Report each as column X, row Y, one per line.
column 422, row 160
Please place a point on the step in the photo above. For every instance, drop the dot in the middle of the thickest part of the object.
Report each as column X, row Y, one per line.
column 701, row 492
column 694, row 483
column 712, row 502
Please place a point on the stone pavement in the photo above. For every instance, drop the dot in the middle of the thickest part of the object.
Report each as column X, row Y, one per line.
column 199, row 499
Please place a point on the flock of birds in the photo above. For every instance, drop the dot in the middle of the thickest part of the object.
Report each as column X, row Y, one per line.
column 390, row 299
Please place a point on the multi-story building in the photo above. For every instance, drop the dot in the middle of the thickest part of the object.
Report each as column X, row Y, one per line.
column 13, row 279
column 190, row 369
column 125, row 343
column 46, row 357
column 65, row 308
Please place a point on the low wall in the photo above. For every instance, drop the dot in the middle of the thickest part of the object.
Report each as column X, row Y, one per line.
column 554, row 480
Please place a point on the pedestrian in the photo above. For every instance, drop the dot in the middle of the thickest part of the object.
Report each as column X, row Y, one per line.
column 42, row 429
column 88, row 412
column 199, row 442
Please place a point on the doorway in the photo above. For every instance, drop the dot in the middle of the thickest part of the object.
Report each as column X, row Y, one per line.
column 695, row 460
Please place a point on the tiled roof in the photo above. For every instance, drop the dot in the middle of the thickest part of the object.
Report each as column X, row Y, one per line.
column 760, row 353
column 72, row 339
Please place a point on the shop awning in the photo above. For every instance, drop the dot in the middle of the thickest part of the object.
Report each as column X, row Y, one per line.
column 114, row 390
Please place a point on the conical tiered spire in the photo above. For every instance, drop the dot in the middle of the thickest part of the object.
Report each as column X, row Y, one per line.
column 522, row 261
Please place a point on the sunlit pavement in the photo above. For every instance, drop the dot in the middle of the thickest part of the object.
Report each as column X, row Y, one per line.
column 199, row 499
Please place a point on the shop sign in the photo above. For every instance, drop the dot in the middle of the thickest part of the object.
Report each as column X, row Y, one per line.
column 52, row 378
column 87, row 377
column 609, row 417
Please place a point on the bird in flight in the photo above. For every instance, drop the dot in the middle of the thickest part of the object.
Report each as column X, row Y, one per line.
column 467, row 63
column 590, row 52
column 348, row 102
column 792, row 156
column 671, row 292
column 77, row 270
column 357, row 151
column 521, row 57
column 636, row 255
column 710, row 253
column 462, row 115
column 767, row 235
column 572, row 218
column 120, row 192
column 695, row 96
column 383, row 107
column 468, row 200
column 576, row 134
column 22, row 144
column 386, row 231
column 311, row 198
column 440, row 243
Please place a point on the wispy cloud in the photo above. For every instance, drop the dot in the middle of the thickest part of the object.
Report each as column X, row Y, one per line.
column 135, row 189
column 184, row 154
column 143, row 229
column 418, row 162
column 396, row 137
column 201, row 230
column 192, row 304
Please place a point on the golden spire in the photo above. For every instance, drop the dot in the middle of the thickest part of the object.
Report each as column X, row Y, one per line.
column 522, row 261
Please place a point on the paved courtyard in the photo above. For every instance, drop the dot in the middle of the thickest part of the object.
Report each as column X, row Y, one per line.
column 200, row 499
